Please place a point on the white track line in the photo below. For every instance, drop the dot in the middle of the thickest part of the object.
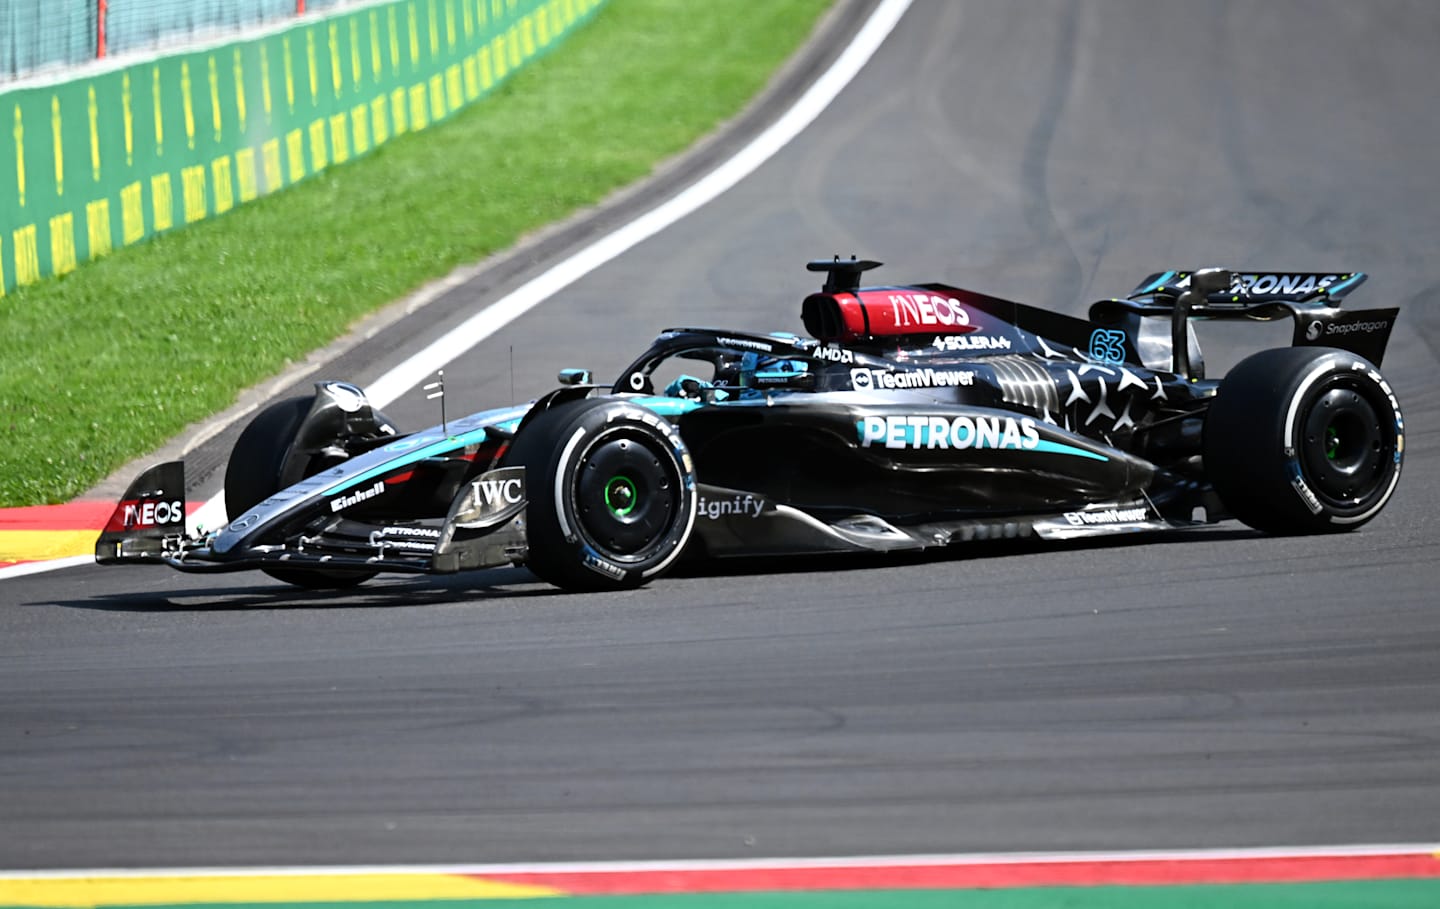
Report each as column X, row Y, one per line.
column 515, row 304
column 758, row 864
column 19, row 571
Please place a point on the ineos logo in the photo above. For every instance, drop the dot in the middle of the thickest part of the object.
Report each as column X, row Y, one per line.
column 149, row 514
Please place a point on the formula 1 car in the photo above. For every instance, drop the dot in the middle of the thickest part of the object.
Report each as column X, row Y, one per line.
column 913, row 417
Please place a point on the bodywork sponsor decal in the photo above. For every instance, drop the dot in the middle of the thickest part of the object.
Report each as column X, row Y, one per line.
column 948, row 432
column 358, row 496
column 1107, row 516
column 1107, row 345
column 1345, row 328
column 863, row 379
column 971, row 342
column 747, row 344
column 142, row 514
column 1281, row 284
column 928, row 311
column 834, row 354
column 964, row 432
column 716, row 507
column 492, row 498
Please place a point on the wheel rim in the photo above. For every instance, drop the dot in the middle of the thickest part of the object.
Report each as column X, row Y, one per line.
column 1347, row 447
column 626, row 495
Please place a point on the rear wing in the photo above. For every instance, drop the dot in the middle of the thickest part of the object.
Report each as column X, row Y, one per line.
column 1263, row 287
column 1310, row 299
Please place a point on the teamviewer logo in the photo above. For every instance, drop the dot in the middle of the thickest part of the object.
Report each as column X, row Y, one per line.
column 860, row 380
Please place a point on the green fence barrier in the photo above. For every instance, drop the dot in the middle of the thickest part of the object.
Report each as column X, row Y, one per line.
column 106, row 161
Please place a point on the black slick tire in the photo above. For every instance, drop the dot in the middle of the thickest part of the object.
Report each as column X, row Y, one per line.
column 1304, row 440
column 253, row 475
column 611, row 488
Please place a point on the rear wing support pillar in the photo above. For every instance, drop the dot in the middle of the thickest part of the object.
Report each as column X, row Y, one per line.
column 1203, row 283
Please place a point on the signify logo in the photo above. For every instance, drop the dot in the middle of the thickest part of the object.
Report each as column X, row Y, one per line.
column 356, row 497
column 740, row 506
column 944, row 432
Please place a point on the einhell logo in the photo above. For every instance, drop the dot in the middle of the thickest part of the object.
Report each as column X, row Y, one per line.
column 356, row 497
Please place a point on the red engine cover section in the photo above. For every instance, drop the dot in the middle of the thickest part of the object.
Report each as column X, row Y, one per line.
column 884, row 313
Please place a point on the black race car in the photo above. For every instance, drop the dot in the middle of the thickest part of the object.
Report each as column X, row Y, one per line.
column 913, row 417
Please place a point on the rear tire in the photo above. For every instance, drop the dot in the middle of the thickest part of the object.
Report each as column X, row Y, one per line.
column 611, row 494
column 253, row 475
column 1304, row 440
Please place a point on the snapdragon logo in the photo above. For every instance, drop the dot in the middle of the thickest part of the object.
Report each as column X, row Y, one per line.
column 1347, row 328
column 740, row 506
column 356, row 497
column 867, row 379
column 943, row 432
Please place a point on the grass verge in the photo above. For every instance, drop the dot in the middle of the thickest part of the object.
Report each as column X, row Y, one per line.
column 119, row 356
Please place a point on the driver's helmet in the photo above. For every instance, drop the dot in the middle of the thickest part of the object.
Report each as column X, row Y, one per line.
column 749, row 373
column 762, row 371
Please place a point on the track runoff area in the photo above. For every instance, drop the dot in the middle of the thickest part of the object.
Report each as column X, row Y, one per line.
column 1372, row 878
column 1362, row 876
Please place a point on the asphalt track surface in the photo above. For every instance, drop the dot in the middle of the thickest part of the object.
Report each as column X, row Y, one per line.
column 1220, row 690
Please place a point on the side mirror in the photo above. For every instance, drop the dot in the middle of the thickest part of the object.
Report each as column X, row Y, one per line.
column 574, row 377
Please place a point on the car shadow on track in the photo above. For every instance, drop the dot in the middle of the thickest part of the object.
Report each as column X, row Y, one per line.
column 978, row 550
column 389, row 593
column 509, row 584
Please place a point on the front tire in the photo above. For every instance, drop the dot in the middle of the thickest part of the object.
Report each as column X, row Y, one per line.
column 252, row 475
column 1304, row 440
column 611, row 494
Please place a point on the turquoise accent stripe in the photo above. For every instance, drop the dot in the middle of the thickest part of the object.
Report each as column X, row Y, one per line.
column 1342, row 286
column 430, row 450
column 1058, row 448
column 1158, row 282
column 667, row 407
column 419, row 454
